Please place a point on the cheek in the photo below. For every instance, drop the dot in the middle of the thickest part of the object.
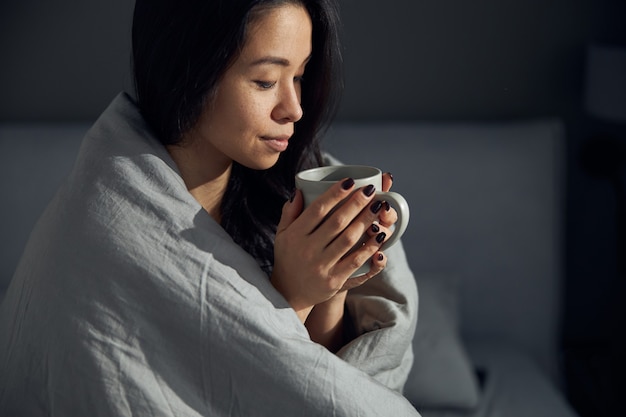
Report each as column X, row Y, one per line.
column 243, row 109
column 238, row 113
column 227, row 116
column 252, row 114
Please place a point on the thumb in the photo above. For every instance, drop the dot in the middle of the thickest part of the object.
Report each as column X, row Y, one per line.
column 387, row 181
column 291, row 210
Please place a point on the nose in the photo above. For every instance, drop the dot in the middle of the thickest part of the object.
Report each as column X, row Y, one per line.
column 288, row 108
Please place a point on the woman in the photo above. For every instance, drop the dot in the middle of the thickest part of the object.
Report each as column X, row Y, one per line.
column 175, row 272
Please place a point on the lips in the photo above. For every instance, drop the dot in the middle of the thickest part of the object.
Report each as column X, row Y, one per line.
column 277, row 143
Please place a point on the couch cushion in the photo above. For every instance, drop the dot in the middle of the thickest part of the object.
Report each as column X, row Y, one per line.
column 442, row 377
column 513, row 385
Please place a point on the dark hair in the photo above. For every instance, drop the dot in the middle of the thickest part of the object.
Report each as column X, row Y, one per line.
column 180, row 52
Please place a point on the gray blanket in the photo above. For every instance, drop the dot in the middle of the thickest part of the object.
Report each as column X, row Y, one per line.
column 131, row 300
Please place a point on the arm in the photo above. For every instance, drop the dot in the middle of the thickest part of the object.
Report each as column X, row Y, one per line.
column 326, row 324
column 377, row 319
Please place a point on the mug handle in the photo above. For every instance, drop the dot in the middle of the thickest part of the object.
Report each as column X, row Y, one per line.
column 402, row 208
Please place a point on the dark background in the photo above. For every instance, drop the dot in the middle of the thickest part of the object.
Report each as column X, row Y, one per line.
column 443, row 60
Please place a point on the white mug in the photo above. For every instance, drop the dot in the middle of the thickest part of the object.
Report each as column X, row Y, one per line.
column 314, row 182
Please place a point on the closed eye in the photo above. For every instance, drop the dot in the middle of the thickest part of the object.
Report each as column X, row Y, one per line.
column 265, row 85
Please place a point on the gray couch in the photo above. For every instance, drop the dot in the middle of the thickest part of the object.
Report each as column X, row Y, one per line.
column 484, row 243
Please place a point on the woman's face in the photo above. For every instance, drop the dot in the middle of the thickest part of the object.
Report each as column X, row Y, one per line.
column 257, row 102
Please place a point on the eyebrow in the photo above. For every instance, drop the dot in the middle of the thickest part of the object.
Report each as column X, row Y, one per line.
column 274, row 60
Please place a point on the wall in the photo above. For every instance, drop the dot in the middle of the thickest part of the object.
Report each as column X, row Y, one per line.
column 412, row 59
column 62, row 60
column 451, row 59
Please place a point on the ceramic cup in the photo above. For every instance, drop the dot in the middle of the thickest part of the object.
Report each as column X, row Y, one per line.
column 314, row 182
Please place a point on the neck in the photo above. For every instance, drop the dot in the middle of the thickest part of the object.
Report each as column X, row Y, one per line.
column 206, row 177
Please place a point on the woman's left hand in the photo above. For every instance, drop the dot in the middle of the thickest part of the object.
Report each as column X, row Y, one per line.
column 387, row 217
column 325, row 322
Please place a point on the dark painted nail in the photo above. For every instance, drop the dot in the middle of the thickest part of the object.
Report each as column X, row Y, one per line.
column 381, row 256
column 369, row 190
column 375, row 208
column 387, row 206
column 390, row 175
column 380, row 238
column 292, row 195
column 375, row 228
column 347, row 184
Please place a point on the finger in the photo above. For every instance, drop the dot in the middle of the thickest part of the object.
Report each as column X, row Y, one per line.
column 354, row 235
column 349, row 221
column 387, row 181
column 378, row 263
column 359, row 256
column 356, row 282
column 388, row 215
column 319, row 209
column 291, row 210
column 377, row 228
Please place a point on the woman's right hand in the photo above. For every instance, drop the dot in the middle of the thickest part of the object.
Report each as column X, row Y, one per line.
column 312, row 251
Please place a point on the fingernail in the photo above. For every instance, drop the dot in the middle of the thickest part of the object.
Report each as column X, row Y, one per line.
column 387, row 206
column 375, row 228
column 375, row 208
column 380, row 238
column 292, row 196
column 390, row 175
column 369, row 190
column 347, row 184
column 381, row 256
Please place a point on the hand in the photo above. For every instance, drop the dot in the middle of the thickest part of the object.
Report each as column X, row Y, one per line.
column 325, row 322
column 387, row 217
column 312, row 252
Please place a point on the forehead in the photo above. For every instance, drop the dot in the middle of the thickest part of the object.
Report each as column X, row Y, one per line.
column 284, row 29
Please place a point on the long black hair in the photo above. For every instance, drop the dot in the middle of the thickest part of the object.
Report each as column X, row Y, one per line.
column 181, row 49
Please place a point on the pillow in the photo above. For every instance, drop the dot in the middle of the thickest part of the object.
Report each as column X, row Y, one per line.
column 442, row 376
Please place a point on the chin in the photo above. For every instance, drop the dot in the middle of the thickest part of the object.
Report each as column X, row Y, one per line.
column 262, row 165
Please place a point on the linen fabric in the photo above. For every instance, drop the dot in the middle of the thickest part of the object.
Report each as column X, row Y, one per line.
column 130, row 300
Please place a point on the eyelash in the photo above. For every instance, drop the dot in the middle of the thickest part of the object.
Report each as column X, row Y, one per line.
column 266, row 85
